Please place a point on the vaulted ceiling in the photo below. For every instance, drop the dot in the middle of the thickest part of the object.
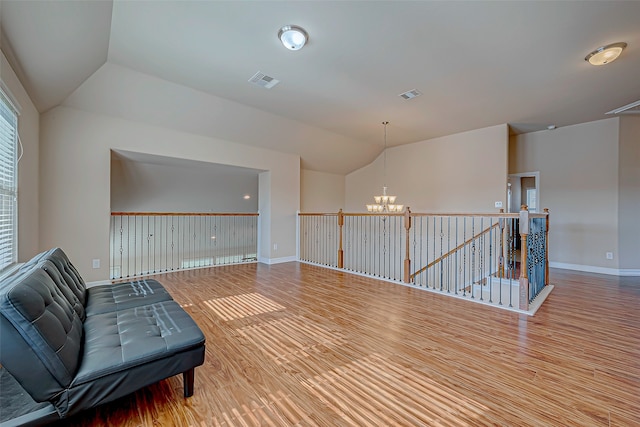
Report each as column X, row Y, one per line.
column 476, row 63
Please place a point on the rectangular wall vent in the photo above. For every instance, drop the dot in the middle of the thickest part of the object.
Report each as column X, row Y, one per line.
column 262, row 80
column 410, row 94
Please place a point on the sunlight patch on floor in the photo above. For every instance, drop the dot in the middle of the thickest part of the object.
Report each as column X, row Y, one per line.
column 243, row 305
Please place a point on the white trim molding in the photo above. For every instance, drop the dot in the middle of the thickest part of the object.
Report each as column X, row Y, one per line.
column 10, row 97
column 271, row 261
column 593, row 269
column 629, row 272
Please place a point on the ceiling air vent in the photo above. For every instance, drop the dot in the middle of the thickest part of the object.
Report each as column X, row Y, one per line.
column 633, row 108
column 410, row 94
column 261, row 79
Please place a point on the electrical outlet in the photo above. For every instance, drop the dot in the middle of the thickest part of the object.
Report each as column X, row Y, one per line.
column 275, row 246
column 96, row 263
column 498, row 204
column 609, row 255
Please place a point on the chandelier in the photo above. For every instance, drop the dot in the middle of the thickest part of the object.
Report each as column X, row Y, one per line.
column 385, row 203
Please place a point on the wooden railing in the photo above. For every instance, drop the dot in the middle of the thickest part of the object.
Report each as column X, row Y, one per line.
column 452, row 251
column 144, row 243
column 491, row 258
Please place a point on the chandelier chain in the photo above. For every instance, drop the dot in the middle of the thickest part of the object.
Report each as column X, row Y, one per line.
column 384, row 203
column 384, row 170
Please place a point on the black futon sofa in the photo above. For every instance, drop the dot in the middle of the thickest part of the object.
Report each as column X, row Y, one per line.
column 65, row 347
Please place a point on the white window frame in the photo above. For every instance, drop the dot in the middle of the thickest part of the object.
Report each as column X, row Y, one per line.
column 8, row 181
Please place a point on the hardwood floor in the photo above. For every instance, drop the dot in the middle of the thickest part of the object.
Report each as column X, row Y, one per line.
column 294, row 344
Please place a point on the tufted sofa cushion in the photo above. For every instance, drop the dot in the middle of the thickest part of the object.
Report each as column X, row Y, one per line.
column 41, row 334
column 121, row 296
column 72, row 277
column 118, row 340
column 63, row 287
column 129, row 349
column 104, row 298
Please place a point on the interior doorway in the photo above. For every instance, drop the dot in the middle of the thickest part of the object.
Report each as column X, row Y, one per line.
column 523, row 189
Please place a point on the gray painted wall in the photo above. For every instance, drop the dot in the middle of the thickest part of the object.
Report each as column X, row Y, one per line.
column 194, row 187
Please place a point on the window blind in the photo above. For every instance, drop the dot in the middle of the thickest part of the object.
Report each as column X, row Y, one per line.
column 8, row 182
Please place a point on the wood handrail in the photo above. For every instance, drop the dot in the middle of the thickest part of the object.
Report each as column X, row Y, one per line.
column 413, row 214
column 318, row 213
column 183, row 214
column 457, row 248
column 475, row 215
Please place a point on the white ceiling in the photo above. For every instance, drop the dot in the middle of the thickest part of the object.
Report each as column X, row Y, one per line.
column 477, row 64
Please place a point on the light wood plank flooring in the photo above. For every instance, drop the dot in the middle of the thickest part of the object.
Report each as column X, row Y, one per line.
column 294, row 344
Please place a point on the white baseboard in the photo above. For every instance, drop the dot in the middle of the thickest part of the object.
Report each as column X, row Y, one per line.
column 629, row 272
column 593, row 269
column 277, row 260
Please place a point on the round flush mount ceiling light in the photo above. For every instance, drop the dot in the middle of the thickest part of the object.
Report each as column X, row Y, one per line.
column 293, row 37
column 605, row 54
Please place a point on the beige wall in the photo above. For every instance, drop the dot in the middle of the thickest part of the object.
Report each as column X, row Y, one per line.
column 321, row 192
column 465, row 172
column 75, row 181
column 579, row 184
column 28, row 130
column 629, row 196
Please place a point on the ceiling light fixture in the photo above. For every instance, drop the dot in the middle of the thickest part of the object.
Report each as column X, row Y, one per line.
column 605, row 54
column 385, row 203
column 293, row 37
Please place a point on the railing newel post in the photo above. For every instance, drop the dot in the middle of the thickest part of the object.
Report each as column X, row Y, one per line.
column 407, row 258
column 524, row 279
column 501, row 222
column 340, row 250
column 546, row 249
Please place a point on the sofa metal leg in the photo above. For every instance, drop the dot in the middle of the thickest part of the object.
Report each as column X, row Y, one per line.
column 188, row 379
